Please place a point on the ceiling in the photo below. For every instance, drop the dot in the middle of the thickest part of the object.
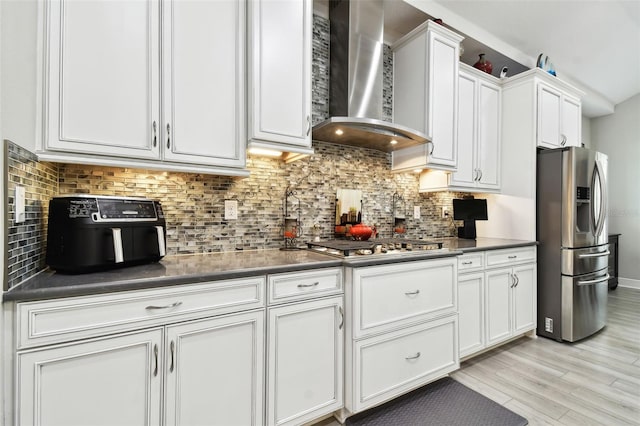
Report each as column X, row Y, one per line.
column 594, row 44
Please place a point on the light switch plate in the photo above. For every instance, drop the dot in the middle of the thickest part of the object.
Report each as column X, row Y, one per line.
column 230, row 209
column 416, row 212
column 20, row 210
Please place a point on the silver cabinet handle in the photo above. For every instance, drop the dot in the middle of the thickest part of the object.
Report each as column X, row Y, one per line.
column 416, row 356
column 563, row 140
column 155, row 134
column 172, row 348
column 432, row 146
column 512, row 257
column 308, row 285
column 155, row 354
column 117, row 245
column 475, row 175
column 173, row 305
column 412, row 293
column 596, row 281
column 168, row 136
column 467, row 263
column 513, row 281
column 308, row 125
column 517, row 280
column 480, row 177
column 341, row 317
column 601, row 254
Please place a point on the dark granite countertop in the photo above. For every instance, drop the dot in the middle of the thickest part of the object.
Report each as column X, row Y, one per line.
column 482, row 244
column 171, row 270
column 189, row 269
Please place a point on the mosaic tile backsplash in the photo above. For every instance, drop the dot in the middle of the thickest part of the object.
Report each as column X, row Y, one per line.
column 194, row 203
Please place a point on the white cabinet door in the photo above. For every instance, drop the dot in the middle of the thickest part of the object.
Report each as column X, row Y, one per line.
column 305, row 361
column 214, row 371
column 571, row 121
column 204, row 82
column 280, row 71
column 488, row 142
column 549, row 104
column 471, row 313
column 524, row 298
column 111, row 381
column 498, row 305
column 467, row 170
column 425, row 95
column 443, row 99
column 103, row 76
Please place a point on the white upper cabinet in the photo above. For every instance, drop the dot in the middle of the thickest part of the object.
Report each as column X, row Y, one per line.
column 279, row 81
column 425, row 95
column 102, row 76
column 479, row 120
column 559, row 118
column 203, row 82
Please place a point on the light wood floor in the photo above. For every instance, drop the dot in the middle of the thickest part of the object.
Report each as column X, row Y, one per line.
column 592, row 382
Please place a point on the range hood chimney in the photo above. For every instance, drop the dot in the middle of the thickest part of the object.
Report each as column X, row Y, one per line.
column 355, row 95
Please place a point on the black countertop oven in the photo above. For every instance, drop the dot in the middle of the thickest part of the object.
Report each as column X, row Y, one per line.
column 89, row 232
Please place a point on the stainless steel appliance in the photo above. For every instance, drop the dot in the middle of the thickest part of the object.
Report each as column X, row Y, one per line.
column 88, row 232
column 573, row 250
column 375, row 247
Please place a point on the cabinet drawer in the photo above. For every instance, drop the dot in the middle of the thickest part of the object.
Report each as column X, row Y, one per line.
column 388, row 297
column 60, row 320
column 513, row 256
column 391, row 364
column 471, row 262
column 304, row 285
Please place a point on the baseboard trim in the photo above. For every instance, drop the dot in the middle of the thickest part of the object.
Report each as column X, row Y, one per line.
column 629, row 282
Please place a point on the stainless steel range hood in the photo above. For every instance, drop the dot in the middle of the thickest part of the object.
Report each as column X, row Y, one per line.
column 355, row 91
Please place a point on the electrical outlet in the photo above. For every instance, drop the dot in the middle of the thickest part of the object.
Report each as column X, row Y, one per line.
column 230, row 209
column 416, row 212
column 445, row 212
column 20, row 210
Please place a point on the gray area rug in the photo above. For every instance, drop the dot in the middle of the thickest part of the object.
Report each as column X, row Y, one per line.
column 445, row 402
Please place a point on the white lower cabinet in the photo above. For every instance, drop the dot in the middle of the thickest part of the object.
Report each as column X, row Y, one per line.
column 498, row 301
column 471, row 312
column 184, row 355
column 402, row 329
column 214, row 371
column 305, row 360
column 111, row 381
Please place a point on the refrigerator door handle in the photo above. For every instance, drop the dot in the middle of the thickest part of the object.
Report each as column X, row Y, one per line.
column 600, row 254
column 599, row 177
column 596, row 281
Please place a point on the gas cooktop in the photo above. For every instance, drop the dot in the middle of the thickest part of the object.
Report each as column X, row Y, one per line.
column 378, row 246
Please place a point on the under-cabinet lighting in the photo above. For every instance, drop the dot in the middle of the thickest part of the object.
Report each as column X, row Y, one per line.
column 417, row 171
column 339, row 132
column 393, row 142
column 266, row 152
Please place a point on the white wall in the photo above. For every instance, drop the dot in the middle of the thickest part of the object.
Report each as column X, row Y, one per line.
column 18, row 62
column 618, row 136
column 586, row 132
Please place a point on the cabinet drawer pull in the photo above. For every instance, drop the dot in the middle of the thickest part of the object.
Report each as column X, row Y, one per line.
column 416, row 356
column 341, row 318
column 412, row 293
column 467, row 263
column 308, row 285
column 172, row 347
column 512, row 257
column 173, row 305
column 155, row 354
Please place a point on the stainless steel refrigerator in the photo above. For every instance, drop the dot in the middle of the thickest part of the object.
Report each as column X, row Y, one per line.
column 572, row 235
